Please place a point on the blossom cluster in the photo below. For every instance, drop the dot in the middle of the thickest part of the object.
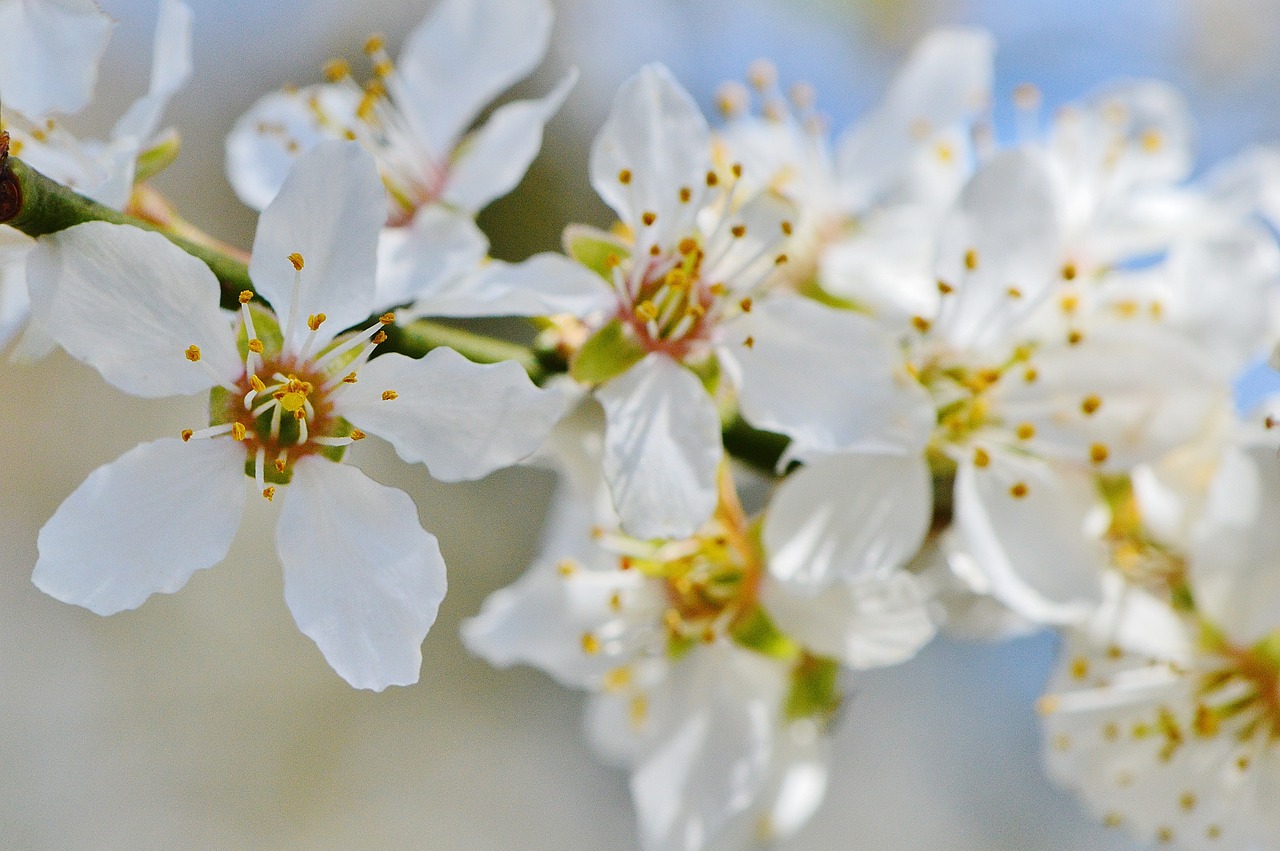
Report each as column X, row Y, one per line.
column 1001, row 369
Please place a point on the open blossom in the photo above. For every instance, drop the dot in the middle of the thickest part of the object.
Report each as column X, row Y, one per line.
column 362, row 578
column 49, row 53
column 714, row 674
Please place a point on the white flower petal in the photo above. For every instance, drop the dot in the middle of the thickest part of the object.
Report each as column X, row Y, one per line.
column 462, row 419
column 465, row 54
column 946, row 80
column 361, row 576
column 170, row 70
column 276, row 130
column 129, row 303
column 1032, row 550
column 111, row 544
column 330, row 210
column 494, row 159
column 661, row 448
column 853, row 395
column 1235, row 551
column 540, row 286
column 867, row 624
column 49, row 54
column 15, row 305
column 1005, row 227
column 847, row 517
column 657, row 133
column 437, row 250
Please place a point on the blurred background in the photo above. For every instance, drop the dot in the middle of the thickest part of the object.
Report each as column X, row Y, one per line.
column 206, row 720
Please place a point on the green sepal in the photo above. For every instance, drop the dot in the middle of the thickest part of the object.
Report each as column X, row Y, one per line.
column 607, row 354
column 267, row 327
column 814, row 691
column 708, row 372
column 598, row 250
column 158, row 157
column 755, row 630
column 220, row 401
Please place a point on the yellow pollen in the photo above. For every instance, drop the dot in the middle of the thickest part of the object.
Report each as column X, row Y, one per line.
column 921, row 324
column 315, row 320
column 1014, row 292
column 1098, row 453
column 712, row 178
column 736, row 168
column 750, row 342
column 1090, row 405
column 590, row 644
column 624, row 176
column 388, row 395
column 745, row 304
column 256, row 383
column 981, row 458
column 1019, row 490
column 945, row 288
column 787, row 229
column 193, row 353
column 1069, row 271
column 296, row 259
column 687, row 246
column 374, row 44
column 1030, row 375
column 971, row 259
column 255, row 346
column 1026, row 431
column 238, row 431
column 1079, row 667
column 1205, row 723
column 654, row 250
column 647, row 310
column 387, row 318
column 357, row 434
column 337, row 69
column 686, row 194
column 246, row 296
column 738, row 231
column 186, row 434
column 1074, row 338
column 648, row 217
column 349, row 378
column 379, row 338
column 268, row 493
column 293, row 402
column 780, row 259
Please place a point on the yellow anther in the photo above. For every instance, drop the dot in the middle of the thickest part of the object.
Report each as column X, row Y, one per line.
column 315, row 320
column 738, row 231
column 246, row 296
column 1069, row 271
column 686, row 194
column 617, row 679
column 787, row 228
column 780, row 260
column 687, row 246
column 1026, row 431
column 921, row 324
column 712, row 178
column 383, row 68
column 293, row 402
column 750, row 342
column 648, row 217
column 736, row 169
column 255, row 346
column 981, row 458
column 1187, row 801
column 1112, row 819
column 1079, row 667
column 349, row 378
column 238, row 431
column 379, row 338
column 337, row 69
column 624, row 176
column 638, row 712
column 590, row 644
column 762, row 74
column 256, row 383
column 388, row 395
column 1013, row 292
column 654, row 250
column 708, row 635
column 944, row 152
column 1213, row 831
column 1090, row 405
column 615, row 602
column 269, row 493
column 697, row 311
column 193, row 353
column 296, row 259
column 626, row 563
column 971, row 259
column 745, row 304
column 375, row 44
column 1164, row 835
column 1098, row 453
column 566, row 567
column 1048, row 704
column 280, row 465
column 1152, row 141
column 944, row 288
column 300, row 414
column 1069, row 303
column 1019, row 490
column 1074, row 337
column 647, row 310
column 357, row 434
column 187, row 434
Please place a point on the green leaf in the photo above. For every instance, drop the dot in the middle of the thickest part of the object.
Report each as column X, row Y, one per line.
column 598, row 250
column 755, row 630
column 158, row 157
column 814, row 689
column 607, row 354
